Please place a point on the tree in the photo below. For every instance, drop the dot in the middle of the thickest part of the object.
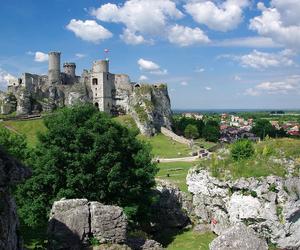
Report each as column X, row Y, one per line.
column 14, row 144
column 211, row 131
column 85, row 154
column 262, row 128
column 191, row 132
column 180, row 123
column 242, row 149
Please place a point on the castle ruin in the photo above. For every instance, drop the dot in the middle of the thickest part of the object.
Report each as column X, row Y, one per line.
column 112, row 93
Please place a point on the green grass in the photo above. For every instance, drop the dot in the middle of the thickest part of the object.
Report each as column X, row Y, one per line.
column 164, row 147
column 175, row 172
column 204, row 144
column 29, row 128
column 188, row 240
column 127, row 121
column 261, row 164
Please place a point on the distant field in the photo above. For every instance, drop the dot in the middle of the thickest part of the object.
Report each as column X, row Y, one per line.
column 175, row 172
column 29, row 128
column 164, row 147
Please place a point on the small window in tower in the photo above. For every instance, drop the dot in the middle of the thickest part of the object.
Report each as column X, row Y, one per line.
column 95, row 81
column 107, row 77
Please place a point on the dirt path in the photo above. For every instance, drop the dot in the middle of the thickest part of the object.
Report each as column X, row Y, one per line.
column 12, row 129
column 182, row 159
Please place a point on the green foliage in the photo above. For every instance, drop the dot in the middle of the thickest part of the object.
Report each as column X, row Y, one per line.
column 242, row 149
column 142, row 115
column 191, row 132
column 180, row 123
column 14, row 144
column 262, row 128
column 85, row 154
column 211, row 132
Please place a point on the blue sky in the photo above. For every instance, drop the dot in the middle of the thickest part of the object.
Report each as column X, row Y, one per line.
column 211, row 53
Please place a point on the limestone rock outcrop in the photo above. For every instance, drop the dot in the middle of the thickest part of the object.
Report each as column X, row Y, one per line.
column 238, row 237
column 73, row 221
column 151, row 109
column 269, row 205
column 171, row 210
column 108, row 223
column 11, row 173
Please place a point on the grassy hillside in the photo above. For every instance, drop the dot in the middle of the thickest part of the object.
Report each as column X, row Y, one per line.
column 271, row 158
column 164, row 147
column 29, row 128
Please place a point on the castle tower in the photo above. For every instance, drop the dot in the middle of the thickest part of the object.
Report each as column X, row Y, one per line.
column 69, row 69
column 54, row 68
column 102, row 85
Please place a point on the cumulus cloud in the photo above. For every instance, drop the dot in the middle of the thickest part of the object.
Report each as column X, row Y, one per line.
column 130, row 37
column 286, row 86
column 143, row 78
column 184, row 83
column 80, row 55
column 280, row 21
column 5, row 77
column 262, row 60
column 222, row 17
column 237, row 78
column 186, row 36
column 248, row 42
column 208, row 88
column 151, row 67
column 140, row 17
column 40, row 56
column 89, row 30
column 199, row 70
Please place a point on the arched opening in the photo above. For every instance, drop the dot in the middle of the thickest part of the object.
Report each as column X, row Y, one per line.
column 137, row 85
column 95, row 81
column 97, row 105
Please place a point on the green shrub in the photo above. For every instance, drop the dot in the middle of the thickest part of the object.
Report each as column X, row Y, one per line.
column 242, row 149
column 191, row 132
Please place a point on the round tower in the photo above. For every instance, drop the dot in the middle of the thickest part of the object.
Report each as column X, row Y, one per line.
column 54, row 67
column 101, row 66
column 69, row 69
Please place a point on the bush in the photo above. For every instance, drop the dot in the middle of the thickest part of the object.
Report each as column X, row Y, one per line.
column 242, row 149
column 85, row 154
column 14, row 144
column 191, row 132
column 211, row 132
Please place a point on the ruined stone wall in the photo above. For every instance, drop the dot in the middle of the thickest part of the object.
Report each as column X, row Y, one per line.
column 175, row 137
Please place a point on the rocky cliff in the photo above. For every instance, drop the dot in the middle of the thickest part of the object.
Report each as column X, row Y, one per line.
column 11, row 173
column 269, row 205
column 151, row 109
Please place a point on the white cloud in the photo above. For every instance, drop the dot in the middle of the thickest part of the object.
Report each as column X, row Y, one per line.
column 184, row 83
column 286, row 86
column 40, row 56
column 130, row 37
column 248, row 42
column 89, row 30
column 143, row 78
column 151, row 67
column 4, row 78
column 262, row 60
column 199, row 70
column 237, row 78
column 147, row 65
column 186, row 36
column 280, row 22
column 222, row 17
column 208, row 88
column 140, row 17
column 80, row 55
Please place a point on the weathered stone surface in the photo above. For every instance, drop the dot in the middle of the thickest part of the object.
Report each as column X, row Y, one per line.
column 270, row 205
column 73, row 221
column 108, row 223
column 69, row 223
column 11, row 173
column 238, row 237
column 8, row 103
column 171, row 209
